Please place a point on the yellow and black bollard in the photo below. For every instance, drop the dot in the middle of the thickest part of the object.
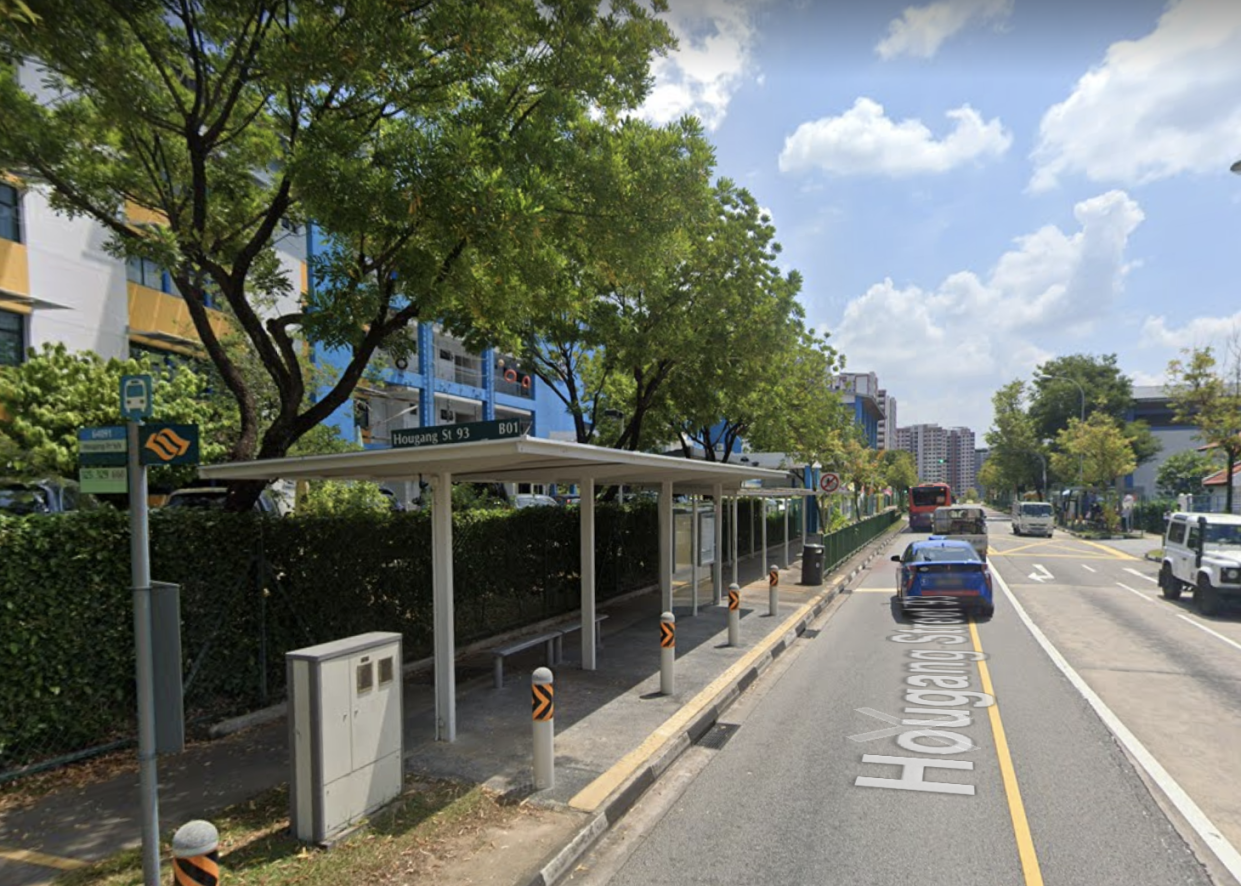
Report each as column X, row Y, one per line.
column 543, row 709
column 667, row 653
column 195, row 854
column 734, row 615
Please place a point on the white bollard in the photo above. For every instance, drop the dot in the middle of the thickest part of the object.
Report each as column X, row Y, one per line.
column 542, row 690
column 773, row 589
column 195, row 853
column 667, row 653
column 734, row 615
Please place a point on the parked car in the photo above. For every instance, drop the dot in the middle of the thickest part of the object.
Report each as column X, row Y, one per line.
column 1202, row 552
column 534, row 500
column 944, row 567
column 44, row 496
column 214, row 496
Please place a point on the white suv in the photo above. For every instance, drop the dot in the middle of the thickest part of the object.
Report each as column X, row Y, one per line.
column 1202, row 552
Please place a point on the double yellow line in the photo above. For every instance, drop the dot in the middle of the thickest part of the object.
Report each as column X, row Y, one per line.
column 1016, row 809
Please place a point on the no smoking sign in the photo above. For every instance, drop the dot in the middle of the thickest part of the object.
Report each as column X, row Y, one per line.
column 829, row 482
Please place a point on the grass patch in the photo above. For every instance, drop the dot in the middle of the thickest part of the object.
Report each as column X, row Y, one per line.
column 257, row 850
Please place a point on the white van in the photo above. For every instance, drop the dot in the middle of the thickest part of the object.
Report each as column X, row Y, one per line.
column 1032, row 518
column 966, row 522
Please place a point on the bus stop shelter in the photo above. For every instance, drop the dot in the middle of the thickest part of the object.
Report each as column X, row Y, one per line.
column 518, row 460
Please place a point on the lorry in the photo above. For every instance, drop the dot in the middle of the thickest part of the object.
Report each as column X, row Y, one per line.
column 1032, row 518
column 1202, row 554
column 965, row 522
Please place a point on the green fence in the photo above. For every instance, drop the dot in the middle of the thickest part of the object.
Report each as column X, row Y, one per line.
column 838, row 546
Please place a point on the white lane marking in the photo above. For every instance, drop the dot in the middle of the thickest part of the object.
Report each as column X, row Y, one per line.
column 1153, row 581
column 1136, row 591
column 1197, row 819
column 1041, row 574
column 1216, row 634
column 1088, row 569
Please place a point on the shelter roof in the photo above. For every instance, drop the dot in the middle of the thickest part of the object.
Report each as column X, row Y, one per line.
column 514, row 460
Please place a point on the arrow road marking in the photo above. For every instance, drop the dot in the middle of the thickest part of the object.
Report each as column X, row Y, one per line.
column 1153, row 581
column 1041, row 574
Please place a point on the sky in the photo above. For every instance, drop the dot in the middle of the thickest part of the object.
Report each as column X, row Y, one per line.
column 970, row 188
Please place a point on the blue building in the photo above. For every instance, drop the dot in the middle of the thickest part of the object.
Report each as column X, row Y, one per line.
column 860, row 391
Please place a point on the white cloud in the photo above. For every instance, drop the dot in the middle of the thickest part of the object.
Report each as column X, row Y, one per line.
column 715, row 54
column 863, row 140
column 922, row 29
column 1198, row 332
column 944, row 351
column 1165, row 104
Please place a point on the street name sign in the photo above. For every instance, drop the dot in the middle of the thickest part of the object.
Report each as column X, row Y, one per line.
column 470, row 432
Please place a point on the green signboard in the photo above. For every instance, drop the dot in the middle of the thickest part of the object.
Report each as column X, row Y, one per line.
column 102, row 447
column 470, row 432
column 97, row 480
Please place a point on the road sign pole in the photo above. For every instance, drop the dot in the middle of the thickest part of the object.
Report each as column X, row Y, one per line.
column 140, row 569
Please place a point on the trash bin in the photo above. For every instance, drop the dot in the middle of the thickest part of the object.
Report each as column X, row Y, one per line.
column 812, row 565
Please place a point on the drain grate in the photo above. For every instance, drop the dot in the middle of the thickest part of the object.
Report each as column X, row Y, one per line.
column 718, row 735
column 810, row 633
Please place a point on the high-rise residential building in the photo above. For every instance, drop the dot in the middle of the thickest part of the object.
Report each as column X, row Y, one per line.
column 929, row 445
column 860, row 392
column 887, row 424
column 962, row 466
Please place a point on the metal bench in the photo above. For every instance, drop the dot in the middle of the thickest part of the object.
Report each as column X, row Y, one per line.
column 551, row 639
column 577, row 626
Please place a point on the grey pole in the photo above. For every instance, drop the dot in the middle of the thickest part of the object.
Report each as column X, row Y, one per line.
column 667, row 550
column 140, row 572
column 542, row 690
column 667, row 653
column 736, row 529
column 694, row 532
column 734, row 615
column 586, row 511
column 762, row 517
column 773, row 589
column 717, row 573
column 787, row 504
column 442, row 617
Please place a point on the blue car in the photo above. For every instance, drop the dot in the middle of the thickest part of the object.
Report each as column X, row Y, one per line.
column 944, row 567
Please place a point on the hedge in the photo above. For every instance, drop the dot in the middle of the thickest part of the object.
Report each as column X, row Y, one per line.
column 254, row 587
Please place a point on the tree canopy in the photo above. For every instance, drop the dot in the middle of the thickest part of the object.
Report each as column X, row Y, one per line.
column 1206, row 391
column 451, row 156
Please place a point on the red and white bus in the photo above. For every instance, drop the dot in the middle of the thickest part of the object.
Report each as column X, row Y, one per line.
column 923, row 500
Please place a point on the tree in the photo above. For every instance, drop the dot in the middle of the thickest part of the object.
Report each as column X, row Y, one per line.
column 900, row 471
column 1182, row 473
column 1013, row 441
column 860, row 468
column 54, row 393
column 448, row 151
column 1098, row 446
column 1207, row 394
column 1055, row 399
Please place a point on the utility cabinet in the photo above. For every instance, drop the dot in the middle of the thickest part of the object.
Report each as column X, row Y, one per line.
column 345, row 734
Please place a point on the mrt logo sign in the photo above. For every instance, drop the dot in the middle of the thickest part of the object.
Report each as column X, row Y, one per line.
column 168, row 444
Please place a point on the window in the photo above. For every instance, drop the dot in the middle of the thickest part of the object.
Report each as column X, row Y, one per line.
column 145, row 272
column 1176, row 532
column 10, row 213
column 12, row 338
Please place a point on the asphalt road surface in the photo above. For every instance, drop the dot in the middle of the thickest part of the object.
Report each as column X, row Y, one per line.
column 802, row 781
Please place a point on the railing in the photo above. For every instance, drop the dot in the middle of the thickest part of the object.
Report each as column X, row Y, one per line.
column 514, row 388
column 838, row 546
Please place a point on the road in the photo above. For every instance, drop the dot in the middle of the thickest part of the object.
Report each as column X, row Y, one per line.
column 799, row 782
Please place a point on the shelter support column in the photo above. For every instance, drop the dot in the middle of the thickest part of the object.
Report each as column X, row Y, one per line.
column 586, row 510
column 717, row 569
column 736, row 529
column 667, row 550
column 445, row 642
